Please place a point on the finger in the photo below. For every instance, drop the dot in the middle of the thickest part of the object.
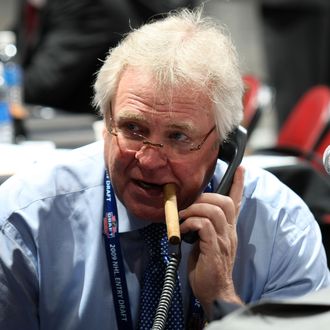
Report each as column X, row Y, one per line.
column 236, row 190
column 200, row 214
column 202, row 226
column 213, row 206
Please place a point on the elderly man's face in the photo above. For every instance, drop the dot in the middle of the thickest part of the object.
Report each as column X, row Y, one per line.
column 139, row 171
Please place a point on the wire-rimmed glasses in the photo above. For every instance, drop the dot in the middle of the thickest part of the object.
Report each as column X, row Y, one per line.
column 175, row 145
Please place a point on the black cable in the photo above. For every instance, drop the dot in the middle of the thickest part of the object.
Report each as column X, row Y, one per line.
column 168, row 290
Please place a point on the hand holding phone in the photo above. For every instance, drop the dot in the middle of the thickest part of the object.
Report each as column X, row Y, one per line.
column 231, row 151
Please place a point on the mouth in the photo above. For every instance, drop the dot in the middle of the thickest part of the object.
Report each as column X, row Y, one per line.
column 148, row 185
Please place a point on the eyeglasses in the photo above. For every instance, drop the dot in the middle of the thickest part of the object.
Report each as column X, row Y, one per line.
column 175, row 145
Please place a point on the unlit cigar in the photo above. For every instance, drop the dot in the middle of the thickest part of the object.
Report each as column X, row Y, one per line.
column 171, row 214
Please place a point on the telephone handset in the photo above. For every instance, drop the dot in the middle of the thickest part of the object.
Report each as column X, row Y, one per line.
column 231, row 151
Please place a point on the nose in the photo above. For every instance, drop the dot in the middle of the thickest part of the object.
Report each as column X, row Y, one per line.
column 151, row 157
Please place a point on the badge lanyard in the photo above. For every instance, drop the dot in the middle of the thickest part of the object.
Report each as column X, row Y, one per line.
column 115, row 259
column 117, row 270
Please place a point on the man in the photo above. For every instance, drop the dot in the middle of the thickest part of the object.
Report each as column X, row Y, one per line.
column 170, row 92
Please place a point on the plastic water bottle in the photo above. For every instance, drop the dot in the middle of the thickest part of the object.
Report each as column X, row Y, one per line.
column 12, row 74
column 6, row 122
column 13, row 78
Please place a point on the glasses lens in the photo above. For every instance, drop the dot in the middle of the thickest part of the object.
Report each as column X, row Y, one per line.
column 131, row 142
column 174, row 148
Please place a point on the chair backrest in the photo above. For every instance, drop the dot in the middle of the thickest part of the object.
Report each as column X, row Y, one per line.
column 323, row 144
column 307, row 121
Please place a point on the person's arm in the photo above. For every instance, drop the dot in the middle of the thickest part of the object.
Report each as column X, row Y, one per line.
column 212, row 260
column 18, row 282
column 298, row 264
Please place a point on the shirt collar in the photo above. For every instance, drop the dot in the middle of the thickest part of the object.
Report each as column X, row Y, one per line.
column 127, row 222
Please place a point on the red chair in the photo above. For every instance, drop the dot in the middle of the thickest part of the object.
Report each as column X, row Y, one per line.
column 308, row 120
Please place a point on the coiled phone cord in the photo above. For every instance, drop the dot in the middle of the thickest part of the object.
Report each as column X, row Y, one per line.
column 167, row 292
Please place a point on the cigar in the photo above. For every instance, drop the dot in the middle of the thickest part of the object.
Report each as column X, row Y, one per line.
column 171, row 214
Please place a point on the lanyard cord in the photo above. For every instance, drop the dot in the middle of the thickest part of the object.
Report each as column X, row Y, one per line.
column 115, row 259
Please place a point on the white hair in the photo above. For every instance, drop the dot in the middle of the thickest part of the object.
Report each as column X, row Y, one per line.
column 182, row 49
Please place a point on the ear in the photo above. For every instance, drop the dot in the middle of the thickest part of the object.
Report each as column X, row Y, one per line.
column 106, row 122
column 104, row 131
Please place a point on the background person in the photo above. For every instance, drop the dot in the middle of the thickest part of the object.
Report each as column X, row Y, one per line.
column 62, row 43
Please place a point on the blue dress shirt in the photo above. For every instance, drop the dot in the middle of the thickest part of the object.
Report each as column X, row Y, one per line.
column 53, row 267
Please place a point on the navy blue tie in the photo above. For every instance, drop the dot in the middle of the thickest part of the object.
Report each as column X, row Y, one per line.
column 156, row 240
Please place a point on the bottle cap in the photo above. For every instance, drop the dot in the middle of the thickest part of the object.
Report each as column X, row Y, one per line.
column 7, row 37
column 8, row 48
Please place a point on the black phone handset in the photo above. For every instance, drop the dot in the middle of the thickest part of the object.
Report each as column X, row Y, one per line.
column 231, row 151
